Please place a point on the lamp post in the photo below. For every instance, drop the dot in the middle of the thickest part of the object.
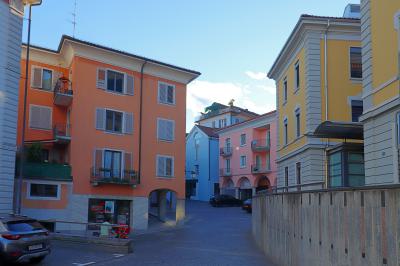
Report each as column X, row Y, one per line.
column 18, row 190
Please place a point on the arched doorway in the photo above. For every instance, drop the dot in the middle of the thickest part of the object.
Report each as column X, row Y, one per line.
column 245, row 188
column 162, row 207
column 263, row 184
column 228, row 187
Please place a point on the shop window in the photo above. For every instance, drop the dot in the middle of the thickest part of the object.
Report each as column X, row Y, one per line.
column 110, row 211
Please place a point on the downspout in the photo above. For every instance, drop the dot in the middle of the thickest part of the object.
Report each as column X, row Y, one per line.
column 326, row 97
column 140, row 119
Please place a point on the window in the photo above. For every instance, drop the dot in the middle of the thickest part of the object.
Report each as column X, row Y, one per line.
column 115, row 81
column 40, row 117
column 356, row 110
column 268, row 160
column 298, row 129
column 285, row 131
column 228, row 165
column 43, row 191
column 297, row 74
column 42, row 78
column 355, row 63
column 165, row 129
column 242, row 139
column 213, row 124
column 165, row 166
column 243, row 161
column 112, row 164
column 398, row 128
column 268, row 141
column 286, row 178
column 298, row 175
column 114, row 121
column 166, row 93
column 335, row 170
column 285, row 90
column 222, row 123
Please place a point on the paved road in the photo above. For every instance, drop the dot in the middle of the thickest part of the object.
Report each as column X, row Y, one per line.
column 212, row 236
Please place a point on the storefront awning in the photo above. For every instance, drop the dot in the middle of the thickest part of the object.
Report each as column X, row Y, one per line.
column 339, row 130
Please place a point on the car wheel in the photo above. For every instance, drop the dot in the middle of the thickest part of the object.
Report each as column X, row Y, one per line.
column 37, row 260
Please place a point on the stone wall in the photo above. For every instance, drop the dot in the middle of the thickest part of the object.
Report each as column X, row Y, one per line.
column 341, row 227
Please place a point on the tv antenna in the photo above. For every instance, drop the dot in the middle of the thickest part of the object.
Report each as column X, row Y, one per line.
column 74, row 20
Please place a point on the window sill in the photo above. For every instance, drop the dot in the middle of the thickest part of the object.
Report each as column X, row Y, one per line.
column 117, row 93
column 167, row 104
column 356, row 80
column 42, row 198
column 166, row 177
column 113, row 133
column 166, row 141
column 37, row 128
column 41, row 89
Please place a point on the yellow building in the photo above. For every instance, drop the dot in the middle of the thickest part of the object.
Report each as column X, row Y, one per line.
column 381, row 89
column 318, row 77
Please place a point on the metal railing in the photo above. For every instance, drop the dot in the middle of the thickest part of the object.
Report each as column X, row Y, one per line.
column 111, row 176
column 225, row 172
column 260, row 168
column 63, row 86
column 88, row 230
column 62, row 131
column 46, row 170
column 226, row 151
column 259, row 145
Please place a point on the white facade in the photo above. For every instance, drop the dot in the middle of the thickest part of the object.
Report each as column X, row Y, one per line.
column 10, row 51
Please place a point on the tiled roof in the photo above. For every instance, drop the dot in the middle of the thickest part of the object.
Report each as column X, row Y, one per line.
column 209, row 131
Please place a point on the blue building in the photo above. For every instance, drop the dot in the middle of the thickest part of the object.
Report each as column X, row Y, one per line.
column 202, row 153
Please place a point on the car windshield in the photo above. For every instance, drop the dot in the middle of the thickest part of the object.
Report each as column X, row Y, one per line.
column 24, row 226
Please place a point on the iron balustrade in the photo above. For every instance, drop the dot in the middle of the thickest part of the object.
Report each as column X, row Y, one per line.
column 225, row 172
column 110, row 176
column 260, row 145
column 226, row 151
column 260, row 169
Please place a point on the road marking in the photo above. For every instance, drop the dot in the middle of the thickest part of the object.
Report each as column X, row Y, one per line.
column 118, row 255
column 83, row 264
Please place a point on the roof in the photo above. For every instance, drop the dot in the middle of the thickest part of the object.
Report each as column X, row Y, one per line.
column 223, row 110
column 339, row 130
column 66, row 37
column 209, row 131
column 297, row 30
column 246, row 121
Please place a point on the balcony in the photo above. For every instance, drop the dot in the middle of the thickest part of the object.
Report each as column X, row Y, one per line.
column 225, row 151
column 62, row 133
column 260, row 169
column 260, row 145
column 63, row 92
column 225, row 172
column 49, row 171
column 108, row 176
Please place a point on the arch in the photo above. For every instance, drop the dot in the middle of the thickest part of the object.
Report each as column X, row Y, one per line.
column 244, row 183
column 263, row 183
column 164, row 206
column 228, row 183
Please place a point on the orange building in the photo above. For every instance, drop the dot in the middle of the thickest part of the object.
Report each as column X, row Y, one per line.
column 105, row 135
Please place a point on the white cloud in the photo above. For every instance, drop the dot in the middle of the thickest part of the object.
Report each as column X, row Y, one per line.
column 256, row 75
column 269, row 86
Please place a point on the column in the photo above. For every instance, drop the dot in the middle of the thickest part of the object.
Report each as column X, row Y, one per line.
column 254, row 192
column 237, row 192
column 162, row 205
column 180, row 211
column 139, row 213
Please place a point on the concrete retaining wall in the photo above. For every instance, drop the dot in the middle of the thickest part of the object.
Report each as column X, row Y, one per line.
column 346, row 227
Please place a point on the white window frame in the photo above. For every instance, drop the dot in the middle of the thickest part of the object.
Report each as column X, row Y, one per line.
column 123, row 85
column 103, row 150
column 354, row 78
column 245, row 161
column 41, row 81
column 285, row 90
column 51, row 117
column 173, row 166
column 245, row 140
column 173, row 129
column 298, row 122
column 297, row 76
column 158, row 93
column 30, row 197
column 122, row 122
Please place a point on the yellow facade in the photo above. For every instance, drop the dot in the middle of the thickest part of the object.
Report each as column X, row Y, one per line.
column 385, row 47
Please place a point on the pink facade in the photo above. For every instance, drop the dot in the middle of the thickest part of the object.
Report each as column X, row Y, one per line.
column 248, row 156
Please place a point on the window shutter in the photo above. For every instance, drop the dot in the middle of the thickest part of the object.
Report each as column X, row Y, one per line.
column 160, row 166
column 98, row 159
column 101, row 78
column 34, row 116
column 100, row 118
column 162, row 92
column 45, row 118
column 128, row 128
column 128, row 161
column 170, row 94
column 130, row 83
column 169, row 130
column 36, row 77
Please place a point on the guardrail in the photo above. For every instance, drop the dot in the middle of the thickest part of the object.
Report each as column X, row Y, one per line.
column 226, row 151
column 107, row 176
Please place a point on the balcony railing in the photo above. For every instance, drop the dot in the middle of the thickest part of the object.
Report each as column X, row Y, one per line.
column 51, row 171
column 260, row 145
column 225, row 172
column 62, row 132
column 63, row 92
column 260, row 168
column 226, row 151
column 110, row 176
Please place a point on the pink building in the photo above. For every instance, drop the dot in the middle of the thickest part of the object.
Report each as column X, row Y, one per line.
column 248, row 156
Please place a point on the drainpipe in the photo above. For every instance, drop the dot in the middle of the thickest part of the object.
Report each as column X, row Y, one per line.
column 140, row 118
column 326, row 96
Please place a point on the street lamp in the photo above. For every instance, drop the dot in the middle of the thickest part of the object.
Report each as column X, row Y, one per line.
column 18, row 190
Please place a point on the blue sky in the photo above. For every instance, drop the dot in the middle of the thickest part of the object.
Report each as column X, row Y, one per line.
column 232, row 43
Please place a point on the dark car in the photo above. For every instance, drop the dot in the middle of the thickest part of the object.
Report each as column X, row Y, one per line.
column 22, row 239
column 247, row 205
column 224, row 200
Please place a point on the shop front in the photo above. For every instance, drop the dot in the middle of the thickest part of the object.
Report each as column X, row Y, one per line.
column 109, row 211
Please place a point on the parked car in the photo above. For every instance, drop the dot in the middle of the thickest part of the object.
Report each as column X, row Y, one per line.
column 22, row 239
column 247, row 205
column 224, row 200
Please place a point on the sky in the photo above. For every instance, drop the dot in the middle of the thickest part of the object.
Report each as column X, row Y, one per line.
column 233, row 43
